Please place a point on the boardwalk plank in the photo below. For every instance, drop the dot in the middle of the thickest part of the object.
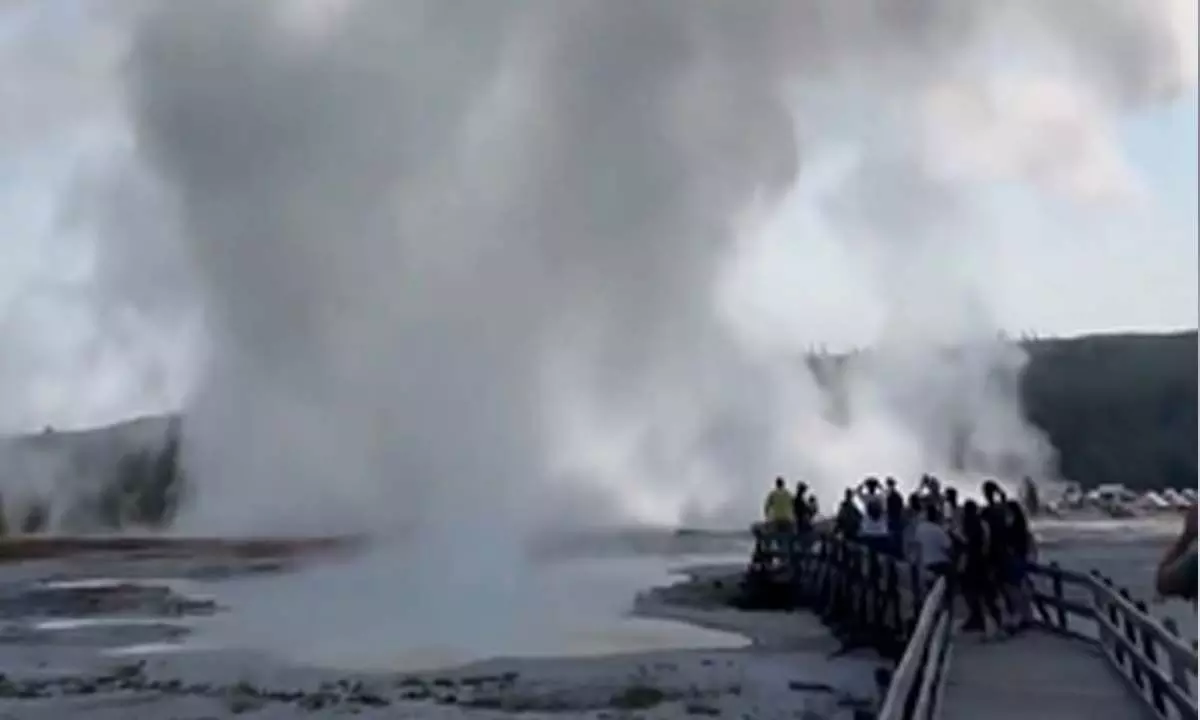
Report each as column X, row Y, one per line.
column 1033, row 676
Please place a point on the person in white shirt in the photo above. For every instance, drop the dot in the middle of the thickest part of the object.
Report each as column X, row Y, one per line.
column 932, row 544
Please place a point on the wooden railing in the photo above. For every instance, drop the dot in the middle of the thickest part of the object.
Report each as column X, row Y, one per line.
column 870, row 599
column 915, row 690
column 1158, row 665
column 876, row 600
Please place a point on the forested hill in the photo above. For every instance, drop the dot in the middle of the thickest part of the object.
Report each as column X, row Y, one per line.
column 1119, row 408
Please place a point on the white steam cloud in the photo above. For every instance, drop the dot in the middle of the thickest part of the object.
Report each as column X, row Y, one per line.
column 453, row 263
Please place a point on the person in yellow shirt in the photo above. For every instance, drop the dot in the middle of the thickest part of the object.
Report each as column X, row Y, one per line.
column 778, row 508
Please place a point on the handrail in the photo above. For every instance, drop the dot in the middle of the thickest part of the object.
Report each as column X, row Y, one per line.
column 929, row 695
column 1129, row 637
column 879, row 600
column 1146, row 623
column 864, row 593
column 924, row 652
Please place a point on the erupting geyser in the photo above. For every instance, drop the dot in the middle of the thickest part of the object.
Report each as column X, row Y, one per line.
column 468, row 269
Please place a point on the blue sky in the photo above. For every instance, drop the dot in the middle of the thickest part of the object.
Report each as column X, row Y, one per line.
column 1162, row 143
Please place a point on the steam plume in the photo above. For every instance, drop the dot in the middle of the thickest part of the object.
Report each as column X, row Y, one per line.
column 460, row 260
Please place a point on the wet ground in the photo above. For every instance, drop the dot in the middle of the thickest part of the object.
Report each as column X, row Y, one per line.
column 139, row 634
column 157, row 632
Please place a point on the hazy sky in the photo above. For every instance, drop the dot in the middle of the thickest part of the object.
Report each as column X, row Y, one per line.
column 70, row 356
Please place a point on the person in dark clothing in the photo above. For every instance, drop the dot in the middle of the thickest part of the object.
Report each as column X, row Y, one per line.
column 916, row 508
column 1020, row 552
column 894, row 506
column 913, row 514
column 995, row 516
column 992, row 493
column 802, row 508
column 849, row 517
column 976, row 571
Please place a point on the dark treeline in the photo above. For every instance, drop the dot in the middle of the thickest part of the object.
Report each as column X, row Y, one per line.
column 1118, row 408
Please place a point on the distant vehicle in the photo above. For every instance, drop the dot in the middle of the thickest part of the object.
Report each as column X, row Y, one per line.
column 1175, row 498
column 1152, row 501
column 1112, row 494
column 1072, row 495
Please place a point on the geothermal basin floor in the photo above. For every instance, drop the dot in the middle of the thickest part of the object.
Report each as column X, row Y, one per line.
column 117, row 633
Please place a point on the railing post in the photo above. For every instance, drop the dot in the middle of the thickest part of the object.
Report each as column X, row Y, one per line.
column 1131, row 634
column 1099, row 611
column 1109, row 610
column 1151, row 653
column 1056, row 579
column 1178, row 672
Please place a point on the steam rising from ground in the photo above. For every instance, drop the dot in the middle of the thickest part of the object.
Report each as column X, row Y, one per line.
column 471, row 268
column 461, row 261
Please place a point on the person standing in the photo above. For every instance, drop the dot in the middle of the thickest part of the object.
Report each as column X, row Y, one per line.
column 894, row 506
column 951, row 512
column 995, row 516
column 933, row 548
column 1021, row 551
column 869, row 487
column 977, row 573
column 873, row 531
column 779, row 510
column 802, row 509
column 849, row 517
column 913, row 515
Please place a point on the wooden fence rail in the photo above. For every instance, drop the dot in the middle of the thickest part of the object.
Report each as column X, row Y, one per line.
column 871, row 599
column 1157, row 664
column 875, row 600
column 916, row 685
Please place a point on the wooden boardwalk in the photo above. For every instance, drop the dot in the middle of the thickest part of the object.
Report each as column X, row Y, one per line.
column 1094, row 651
column 1032, row 676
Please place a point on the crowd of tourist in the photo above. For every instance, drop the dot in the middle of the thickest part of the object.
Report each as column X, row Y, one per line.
column 984, row 549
